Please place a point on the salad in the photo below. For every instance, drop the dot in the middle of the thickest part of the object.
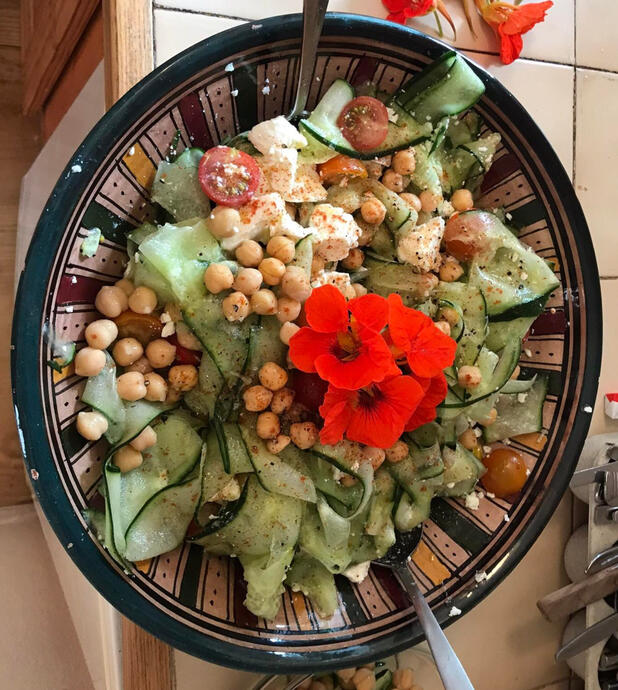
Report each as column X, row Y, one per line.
column 319, row 335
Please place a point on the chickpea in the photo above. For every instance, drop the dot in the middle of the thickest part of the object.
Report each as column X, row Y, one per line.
column 468, row 439
column 142, row 365
column 91, row 425
column 295, row 284
column 364, row 679
column 218, row 277
column 160, row 353
column 359, row 289
column 462, row 200
column 223, row 221
column 173, row 395
column 131, row 386
column 282, row 400
column 127, row 459
column 412, row 200
column 272, row 270
column 281, row 248
column 450, row 315
column 288, row 309
column 443, row 326
column 127, row 351
column 490, row 419
column 276, row 445
column 317, row 265
column 373, row 211
column 236, row 307
column 249, row 253
column 367, row 232
column 516, row 373
column 450, row 271
column 248, row 281
column 264, row 302
column 354, row 259
column 156, row 387
column 403, row 678
column 393, row 180
column 101, row 333
column 374, row 169
column 469, row 376
column 267, row 425
column 186, row 338
column 404, row 162
column 111, row 301
column 272, row 376
column 287, row 330
column 89, row 362
column 346, row 675
column 143, row 300
column 145, row 439
column 125, row 285
column 429, row 200
column 397, row 452
column 183, row 377
column 257, row 398
column 304, row 434
column 375, row 456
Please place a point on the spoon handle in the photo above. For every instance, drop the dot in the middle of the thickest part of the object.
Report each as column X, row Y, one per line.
column 313, row 19
column 449, row 667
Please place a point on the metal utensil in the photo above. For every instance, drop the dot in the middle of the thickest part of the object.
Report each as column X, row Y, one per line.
column 397, row 558
column 313, row 20
column 590, row 636
column 603, row 560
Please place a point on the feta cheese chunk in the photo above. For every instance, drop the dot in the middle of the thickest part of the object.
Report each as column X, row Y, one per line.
column 230, row 492
column 293, row 181
column 357, row 573
column 277, row 132
column 420, row 246
column 264, row 216
column 335, row 232
column 340, row 280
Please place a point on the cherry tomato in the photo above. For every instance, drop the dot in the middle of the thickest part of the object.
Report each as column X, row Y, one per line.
column 183, row 354
column 143, row 327
column 228, row 176
column 310, row 389
column 364, row 123
column 506, row 472
column 466, row 236
column 341, row 166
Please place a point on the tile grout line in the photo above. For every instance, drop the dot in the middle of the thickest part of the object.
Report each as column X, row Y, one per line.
column 154, row 40
column 574, row 169
column 186, row 10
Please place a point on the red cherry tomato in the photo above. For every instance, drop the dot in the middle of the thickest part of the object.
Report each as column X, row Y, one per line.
column 506, row 472
column 183, row 354
column 228, row 176
column 364, row 123
column 310, row 389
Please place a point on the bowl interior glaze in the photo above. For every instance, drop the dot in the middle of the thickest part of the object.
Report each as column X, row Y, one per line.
column 195, row 603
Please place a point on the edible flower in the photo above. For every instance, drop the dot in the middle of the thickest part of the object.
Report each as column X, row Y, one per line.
column 402, row 10
column 342, row 342
column 375, row 415
column 414, row 335
column 510, row 22
column 434, row 392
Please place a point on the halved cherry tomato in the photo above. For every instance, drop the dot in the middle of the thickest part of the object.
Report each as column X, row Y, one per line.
column 183, row 354
column 364, row 122
column 310, row 389
column 228, row 176
column 466, row 235
column 340, row 166
column 506, row 472
column 143, row 327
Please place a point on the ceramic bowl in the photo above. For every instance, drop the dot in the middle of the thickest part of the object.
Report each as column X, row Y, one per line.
column 195, row 603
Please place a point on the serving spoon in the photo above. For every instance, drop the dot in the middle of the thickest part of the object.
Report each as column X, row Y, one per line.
column 313, row 20
column 397, row 559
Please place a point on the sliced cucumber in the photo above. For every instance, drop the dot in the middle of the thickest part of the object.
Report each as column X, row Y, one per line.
column 303, row 255
column 387, row 277
column 102, row 395
column 233, row 449
column 224, row 517
column 422, row 463
column 445, row 87
column 312, row 579
column 518, row 413
column 461, row 472
column 203, row 398
column 265, row 346
column 502, row 332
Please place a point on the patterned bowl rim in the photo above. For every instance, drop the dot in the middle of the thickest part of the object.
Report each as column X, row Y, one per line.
column 31, row 295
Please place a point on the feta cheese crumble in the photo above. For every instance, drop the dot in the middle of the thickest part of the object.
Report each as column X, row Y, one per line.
column 420, row 246
column 277, row 132
column 357, row 573
column 229, row 67
column 335, row 232
column 471, row 501
column 454, row 612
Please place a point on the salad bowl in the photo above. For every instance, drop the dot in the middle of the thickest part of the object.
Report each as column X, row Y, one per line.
column 212, row 91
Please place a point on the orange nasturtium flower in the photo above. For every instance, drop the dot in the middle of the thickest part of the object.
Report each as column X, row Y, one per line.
column 510, row 22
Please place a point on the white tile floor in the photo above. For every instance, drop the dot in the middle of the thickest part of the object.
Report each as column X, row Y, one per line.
column 577, row 109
